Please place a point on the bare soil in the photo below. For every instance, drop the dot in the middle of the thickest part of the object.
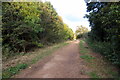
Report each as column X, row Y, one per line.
column 63, row 63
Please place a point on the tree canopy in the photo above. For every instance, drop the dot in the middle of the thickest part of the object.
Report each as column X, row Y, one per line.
column 81, row 31
column 104, row 20
column 31, row 24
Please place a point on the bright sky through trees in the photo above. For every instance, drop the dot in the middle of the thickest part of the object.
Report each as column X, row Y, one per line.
column 72, row 12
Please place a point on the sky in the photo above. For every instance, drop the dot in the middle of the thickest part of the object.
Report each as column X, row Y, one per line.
column 72, row 12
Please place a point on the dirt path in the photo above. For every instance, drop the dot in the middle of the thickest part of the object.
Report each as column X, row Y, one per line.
column 63, row 63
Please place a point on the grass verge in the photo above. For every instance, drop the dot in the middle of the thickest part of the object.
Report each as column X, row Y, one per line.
column 88, row 58
column 83, row 48
column 11, row 71
column 47, row 52
column 93, row 75
column 99, row 67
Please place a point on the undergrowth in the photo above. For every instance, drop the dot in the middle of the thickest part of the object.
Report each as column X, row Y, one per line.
column 105, row 49
column 11, row 71
column 100, row 67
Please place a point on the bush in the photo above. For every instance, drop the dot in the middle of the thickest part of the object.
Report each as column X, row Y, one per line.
column 40, row 45
column 106, row 49
column 13, row 70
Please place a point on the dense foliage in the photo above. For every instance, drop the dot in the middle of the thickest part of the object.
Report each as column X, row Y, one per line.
column 81, row 32
column 104, row 20
column 31, row 24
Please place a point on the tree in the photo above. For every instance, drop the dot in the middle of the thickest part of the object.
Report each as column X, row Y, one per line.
column 81, row 31
column 104, row 21
column 27, row 25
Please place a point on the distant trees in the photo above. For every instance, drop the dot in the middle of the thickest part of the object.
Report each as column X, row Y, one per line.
column 31, row 24
column 104, row 20
column 81, row 31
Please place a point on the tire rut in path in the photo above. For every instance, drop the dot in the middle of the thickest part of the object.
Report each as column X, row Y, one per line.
column 63, row 63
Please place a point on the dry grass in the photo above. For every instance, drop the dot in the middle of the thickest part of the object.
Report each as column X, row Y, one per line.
column 10, row 66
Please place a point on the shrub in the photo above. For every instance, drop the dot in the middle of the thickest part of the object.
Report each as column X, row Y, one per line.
column 106, row 49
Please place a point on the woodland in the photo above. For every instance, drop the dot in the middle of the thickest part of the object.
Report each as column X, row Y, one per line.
column 28, row 25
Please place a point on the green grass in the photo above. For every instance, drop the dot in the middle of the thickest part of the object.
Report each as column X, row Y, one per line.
column 83, row 48
column 93, row 75
column 13, row 70
column 113, row 73
column 9, row 72
column 105, row 70
column 96, row 64
column 85, row 52
column 88, row 58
